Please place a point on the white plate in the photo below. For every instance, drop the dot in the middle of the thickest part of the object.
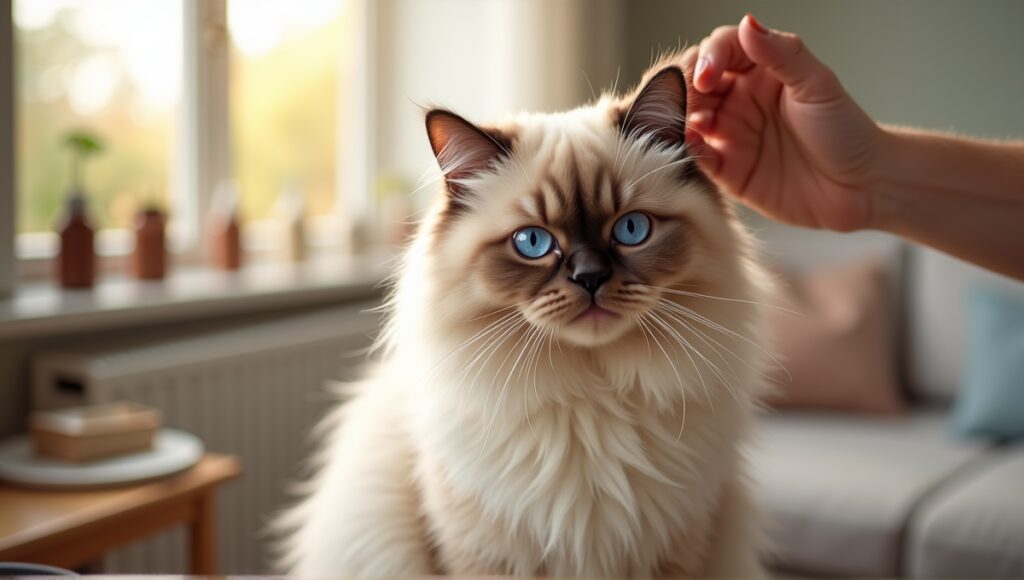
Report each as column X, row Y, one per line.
column 172, row 451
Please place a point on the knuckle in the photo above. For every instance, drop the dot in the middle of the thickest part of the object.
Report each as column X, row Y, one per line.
column 723, row 31
column 798, row 44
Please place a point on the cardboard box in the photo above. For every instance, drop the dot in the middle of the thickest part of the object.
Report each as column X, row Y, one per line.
column 88, row 433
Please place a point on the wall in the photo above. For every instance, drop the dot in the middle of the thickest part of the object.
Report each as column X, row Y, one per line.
column 940, row 64
column 484, row 60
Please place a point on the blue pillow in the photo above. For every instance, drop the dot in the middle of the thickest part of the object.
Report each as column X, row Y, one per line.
column 991, row 397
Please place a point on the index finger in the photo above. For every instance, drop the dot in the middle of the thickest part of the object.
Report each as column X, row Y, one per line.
column 719, row 52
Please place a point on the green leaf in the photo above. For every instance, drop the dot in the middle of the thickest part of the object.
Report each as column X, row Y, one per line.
column 83, row 142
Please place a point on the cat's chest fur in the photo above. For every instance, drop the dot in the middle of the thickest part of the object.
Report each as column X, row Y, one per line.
column 596, row 482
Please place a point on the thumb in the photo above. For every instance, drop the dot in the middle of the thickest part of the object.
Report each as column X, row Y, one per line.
column 789, row 60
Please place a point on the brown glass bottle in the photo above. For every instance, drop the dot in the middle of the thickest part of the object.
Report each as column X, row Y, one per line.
column 76, row 262
column 226, row 243
column 149, row 261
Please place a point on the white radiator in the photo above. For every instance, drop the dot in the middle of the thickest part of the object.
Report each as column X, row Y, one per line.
column 253, row 391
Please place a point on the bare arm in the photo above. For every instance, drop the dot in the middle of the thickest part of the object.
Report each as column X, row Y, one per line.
column 779, row 132
column 962, row 196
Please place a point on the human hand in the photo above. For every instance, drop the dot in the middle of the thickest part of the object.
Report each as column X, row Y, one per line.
column 775, row 129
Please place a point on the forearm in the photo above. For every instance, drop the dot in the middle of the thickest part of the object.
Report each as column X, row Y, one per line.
column 961, row 196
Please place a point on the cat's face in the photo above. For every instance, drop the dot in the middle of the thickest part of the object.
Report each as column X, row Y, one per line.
column 578, row 221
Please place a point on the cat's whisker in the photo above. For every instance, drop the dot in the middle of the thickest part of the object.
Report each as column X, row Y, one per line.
column 526, row 401
column 479, row 334
column 545, row 337
column 534, row 362
column 432, row 181
column 669, row 333
column 510, row 306
column 491, row 345
column 718, row 346
column 494, row 347
column 720, row 328
column 727, row 299
column 699, row 334
column 528, row 337
column 488, row 350
column 633, row 148
column 551, row 362
column 593, row 94
column 682, row 387
column 707, row 340
column 653, row 171
column 487, row 330
column 524, row 339
column 636, row 318
column 624, row 138
column 715, row 370
column 672, row 365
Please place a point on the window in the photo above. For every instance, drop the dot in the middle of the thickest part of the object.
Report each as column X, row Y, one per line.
column 114, row 68
column 284, row 117
column 148, row 78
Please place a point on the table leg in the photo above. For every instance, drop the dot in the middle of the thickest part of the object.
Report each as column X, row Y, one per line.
column 203, row 531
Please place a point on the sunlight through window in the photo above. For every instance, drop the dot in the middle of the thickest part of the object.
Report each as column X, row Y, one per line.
column 285, row 73
column 114, row 68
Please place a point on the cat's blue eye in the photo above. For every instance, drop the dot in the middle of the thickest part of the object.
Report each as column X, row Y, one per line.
column 533, row 242
column 632, row 229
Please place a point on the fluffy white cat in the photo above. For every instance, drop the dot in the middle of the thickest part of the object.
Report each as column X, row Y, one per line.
column 570, row 368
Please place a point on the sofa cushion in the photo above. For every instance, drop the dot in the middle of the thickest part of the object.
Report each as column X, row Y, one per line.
column 973, row 526
column 834, row 338
column 937, row 291
column 838, row 488
column 991, row 399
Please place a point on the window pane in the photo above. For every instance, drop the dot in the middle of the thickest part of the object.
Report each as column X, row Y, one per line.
column 284, row 92
column 112, row 67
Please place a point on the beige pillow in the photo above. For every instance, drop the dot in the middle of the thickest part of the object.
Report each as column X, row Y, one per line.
column 839, row 350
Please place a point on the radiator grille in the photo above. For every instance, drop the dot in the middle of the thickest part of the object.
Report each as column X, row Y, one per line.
column 253, row 391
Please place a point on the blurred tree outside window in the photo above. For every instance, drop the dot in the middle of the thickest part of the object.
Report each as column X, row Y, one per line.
column 114, row 68
column 285, row 74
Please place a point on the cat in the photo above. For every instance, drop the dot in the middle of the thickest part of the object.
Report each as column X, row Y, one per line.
column 570, row 368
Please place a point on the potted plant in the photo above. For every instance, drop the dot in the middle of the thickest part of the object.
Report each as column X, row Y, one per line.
column 76, row 261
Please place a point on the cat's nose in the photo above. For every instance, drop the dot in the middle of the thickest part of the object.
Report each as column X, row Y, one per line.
column 589, row 268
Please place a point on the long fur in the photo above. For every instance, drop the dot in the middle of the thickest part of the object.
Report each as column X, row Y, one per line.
column 490, row 440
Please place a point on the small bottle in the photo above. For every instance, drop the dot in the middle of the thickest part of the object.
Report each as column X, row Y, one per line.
column 76, row 262
column 224, row 229
column 290, row 216
column 149, row 260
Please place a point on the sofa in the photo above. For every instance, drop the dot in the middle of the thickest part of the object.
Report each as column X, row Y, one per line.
column 849, row 494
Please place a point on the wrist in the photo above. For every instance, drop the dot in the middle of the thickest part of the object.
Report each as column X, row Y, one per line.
column 887, row 196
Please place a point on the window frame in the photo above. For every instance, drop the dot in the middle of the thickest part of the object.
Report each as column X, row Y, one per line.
column 204, row 151
column 7, row 148
column 204, row 155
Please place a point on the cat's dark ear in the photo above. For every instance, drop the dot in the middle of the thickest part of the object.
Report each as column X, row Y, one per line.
column 462, row 149
column 659, row 108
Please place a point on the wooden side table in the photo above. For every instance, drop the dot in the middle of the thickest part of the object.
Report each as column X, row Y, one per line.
column 71, row 529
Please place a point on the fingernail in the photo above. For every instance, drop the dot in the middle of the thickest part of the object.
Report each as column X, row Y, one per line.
column 702, row 65
column 757, row 25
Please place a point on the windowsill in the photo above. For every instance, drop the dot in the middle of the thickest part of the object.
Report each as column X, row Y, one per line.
column 42, row 308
